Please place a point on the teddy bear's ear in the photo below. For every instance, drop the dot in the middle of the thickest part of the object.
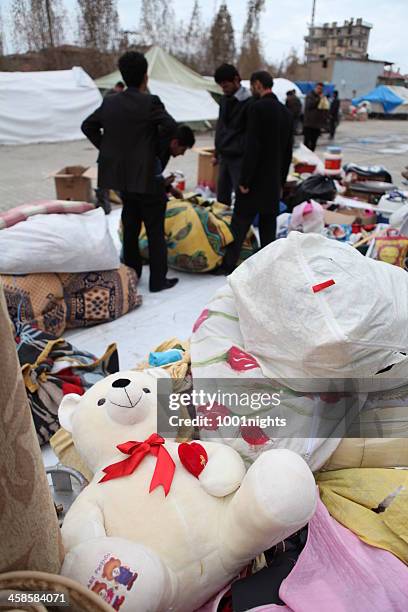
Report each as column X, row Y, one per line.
column 66, row 410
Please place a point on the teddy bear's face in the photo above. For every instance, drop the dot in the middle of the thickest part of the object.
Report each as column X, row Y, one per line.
column 119, row 408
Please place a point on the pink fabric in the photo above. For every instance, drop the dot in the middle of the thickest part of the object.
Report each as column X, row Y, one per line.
column 40, row 207
column 337, row 572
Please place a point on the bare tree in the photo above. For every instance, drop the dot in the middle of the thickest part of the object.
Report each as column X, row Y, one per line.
column 1, row 35
column 222, row 39
column 157, row 24
column 290, row 65
column 196, row 37
column 38, row 24
column 251, row 57
column 98, row 22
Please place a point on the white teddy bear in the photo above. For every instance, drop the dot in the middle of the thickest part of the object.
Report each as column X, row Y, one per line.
column 153, row 536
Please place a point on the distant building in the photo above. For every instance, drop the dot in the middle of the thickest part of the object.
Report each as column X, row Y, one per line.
column 349, row 40
column 389, row 77
column 352, row 77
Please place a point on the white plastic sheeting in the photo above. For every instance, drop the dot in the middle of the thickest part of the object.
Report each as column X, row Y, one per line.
column 47, row 106
column 280, row 87
column 185, row 104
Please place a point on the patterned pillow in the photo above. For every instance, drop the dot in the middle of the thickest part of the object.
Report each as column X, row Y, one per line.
column 37, row 299
column 99, row 297
column 54, row 302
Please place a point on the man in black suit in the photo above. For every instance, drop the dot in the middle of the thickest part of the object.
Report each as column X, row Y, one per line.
column 230, row 131
column 125, row 129
column 266, row 162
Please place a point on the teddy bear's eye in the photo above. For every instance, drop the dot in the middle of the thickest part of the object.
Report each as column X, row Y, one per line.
column 101, row 402
column 146, row 390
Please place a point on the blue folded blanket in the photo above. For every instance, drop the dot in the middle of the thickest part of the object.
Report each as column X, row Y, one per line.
column 165, row 357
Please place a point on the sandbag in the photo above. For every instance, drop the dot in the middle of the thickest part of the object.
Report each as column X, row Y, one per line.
column 308, row 324
column 58, row 243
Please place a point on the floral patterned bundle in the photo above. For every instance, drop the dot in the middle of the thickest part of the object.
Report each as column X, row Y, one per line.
column 52, row 368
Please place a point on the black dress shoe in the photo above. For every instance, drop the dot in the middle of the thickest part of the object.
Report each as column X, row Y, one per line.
column 168, row 284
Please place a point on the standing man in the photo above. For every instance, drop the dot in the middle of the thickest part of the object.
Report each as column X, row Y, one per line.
column 316, row 116
column 294, row 106
column 125, row 130
column 229, row 135
column 334, row 114
column 266, row 162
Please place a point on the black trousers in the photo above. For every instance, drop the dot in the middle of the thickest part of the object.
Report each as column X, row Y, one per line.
column 310, row 137
column 240, row 223
column 228, row 178
column 333, row 123
column 149, row 209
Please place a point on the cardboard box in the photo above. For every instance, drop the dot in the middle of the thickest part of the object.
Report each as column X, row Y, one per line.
column 207, row 175
column 337, row 218
column 71, row 184
column 91, row 173
column 349, row 216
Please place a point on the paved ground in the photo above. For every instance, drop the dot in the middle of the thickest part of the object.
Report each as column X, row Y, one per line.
column 24, row 169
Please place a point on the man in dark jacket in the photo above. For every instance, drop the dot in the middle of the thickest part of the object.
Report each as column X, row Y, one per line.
column 125, row 130
column 315, row 117
column 294, row 105
column 229, row 135
column 334, row 114
column 266, row 162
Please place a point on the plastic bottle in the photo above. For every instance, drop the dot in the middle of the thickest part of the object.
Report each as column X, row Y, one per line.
column 333, row 161
column 180, row 180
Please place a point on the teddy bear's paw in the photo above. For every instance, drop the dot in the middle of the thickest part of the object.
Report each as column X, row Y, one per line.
column 277, row 497
column 126, row 575
column 283, row 488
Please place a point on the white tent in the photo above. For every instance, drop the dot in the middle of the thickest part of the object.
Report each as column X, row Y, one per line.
column 280, row 87
column 185, row 104
column 47, row 106
column 184, row 93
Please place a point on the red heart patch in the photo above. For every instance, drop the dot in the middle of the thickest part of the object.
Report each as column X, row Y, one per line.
column 193, row 456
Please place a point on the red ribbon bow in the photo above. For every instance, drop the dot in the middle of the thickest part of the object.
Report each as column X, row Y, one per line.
column 137, row 451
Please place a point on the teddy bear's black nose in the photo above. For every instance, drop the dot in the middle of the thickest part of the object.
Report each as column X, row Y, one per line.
column 120, row 383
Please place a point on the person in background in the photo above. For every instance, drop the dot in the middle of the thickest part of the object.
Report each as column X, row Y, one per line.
column 125, row 129
column 334, row 113
column 265, row 165
column 174, row 146
column 294, row 105
column 229, row 135
column 316, row 116
column 118, row 88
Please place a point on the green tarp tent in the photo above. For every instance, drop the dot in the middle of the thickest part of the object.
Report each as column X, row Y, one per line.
column 165, row 67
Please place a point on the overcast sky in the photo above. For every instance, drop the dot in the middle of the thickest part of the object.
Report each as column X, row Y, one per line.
column 284, row 22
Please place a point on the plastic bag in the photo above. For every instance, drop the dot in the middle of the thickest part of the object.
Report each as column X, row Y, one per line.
column 316, row 187
column 324, row 104
column 307, row 217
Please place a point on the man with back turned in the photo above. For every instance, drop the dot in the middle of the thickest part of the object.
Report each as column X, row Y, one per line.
column 126, row 130
column 265, row 165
